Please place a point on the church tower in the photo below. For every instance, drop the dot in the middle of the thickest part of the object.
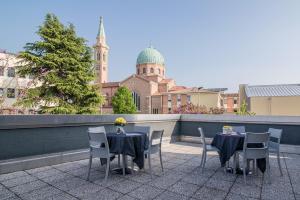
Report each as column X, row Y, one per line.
column 101, row 55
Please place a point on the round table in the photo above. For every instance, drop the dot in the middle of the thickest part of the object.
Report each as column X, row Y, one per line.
column 130, row 143
column 228, row 144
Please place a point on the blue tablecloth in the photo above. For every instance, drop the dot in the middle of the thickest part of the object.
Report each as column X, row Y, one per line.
column 229, row 144
column 130, row 143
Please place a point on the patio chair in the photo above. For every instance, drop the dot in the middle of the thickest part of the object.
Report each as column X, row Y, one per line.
column 254, row 153
column 99, row 147
column 239, row 129
column 274, row 144
column 206, row 148
column 155, row 147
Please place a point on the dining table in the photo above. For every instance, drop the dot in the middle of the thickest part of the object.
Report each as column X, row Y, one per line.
column 229, row 143
column 131, row 144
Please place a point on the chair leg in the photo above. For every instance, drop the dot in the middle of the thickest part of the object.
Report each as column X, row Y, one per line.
column 107, row 168
column 149, row 162
column 161, row 163
column 204, row 161
column 123, row 164
column 244, row 170
column 279, row 164
column 90, row 165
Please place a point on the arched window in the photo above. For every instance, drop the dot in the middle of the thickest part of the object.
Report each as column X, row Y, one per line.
column 152, row 70
column 144, row 70
column 98, row 56
column 136, row 100
column 138, row 71
column 104, row 57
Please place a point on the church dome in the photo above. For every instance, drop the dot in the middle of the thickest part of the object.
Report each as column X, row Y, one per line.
column 150, row 55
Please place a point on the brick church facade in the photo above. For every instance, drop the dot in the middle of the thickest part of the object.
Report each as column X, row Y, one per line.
column 151, row 90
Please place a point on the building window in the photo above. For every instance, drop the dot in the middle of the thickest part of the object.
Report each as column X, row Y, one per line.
column 104, row 57
column 138, row 71
column 144, row 70
column 152, row 70
column 169, row 102
column 235, row 101
column 221, row 102
column 1, row 70
column 11, row 93
column 188, row 98
column 97, row 67
column 155, row 111
column 136, row 100
column 104, row 68
column 11, row 72
column 98, row 56
column 225, row 100
column 178, row 100
column 1, row 92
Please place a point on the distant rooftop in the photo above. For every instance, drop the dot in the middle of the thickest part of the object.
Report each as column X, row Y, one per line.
column 273, row 90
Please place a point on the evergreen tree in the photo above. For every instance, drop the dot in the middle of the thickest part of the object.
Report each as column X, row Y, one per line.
column 122, row 102
column 61, row 67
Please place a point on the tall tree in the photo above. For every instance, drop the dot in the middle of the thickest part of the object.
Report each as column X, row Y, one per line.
column 122, row 102
column 61, row 67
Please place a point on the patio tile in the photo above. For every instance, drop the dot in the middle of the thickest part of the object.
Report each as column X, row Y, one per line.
column 171, row 196
column 127, row 197
column 163, row 182
column 67, row 166
column 277, row 195
column 220, row 175
column 251, row 180
column 125, row 186
column 46, row 173
column 4, row 177
column 232, row 196
column 246, row 190
column 141, row 177
column 28, row 187
column 61, row 196
column 184, row 188
column 194, row 179
column 145, row 192
column 40, row 169
column 56, row 177
column 219, row 184
column 5, row 194
column 41, row 194
column 110, row 180
column 70, row 183
column 85, row 190
column 18, row 181
column 209, row 193
column 105, row 194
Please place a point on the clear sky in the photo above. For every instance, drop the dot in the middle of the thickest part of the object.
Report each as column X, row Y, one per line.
column 205, row 43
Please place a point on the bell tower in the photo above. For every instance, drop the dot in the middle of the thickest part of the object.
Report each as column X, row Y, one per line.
column 101, row 55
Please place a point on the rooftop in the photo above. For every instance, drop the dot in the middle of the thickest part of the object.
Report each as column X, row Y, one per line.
column 182, row 179
column 273, row 90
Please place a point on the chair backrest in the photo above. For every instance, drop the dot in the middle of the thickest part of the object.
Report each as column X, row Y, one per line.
column 202, row 137
column 142, row 129
column 156, row 140
column 275, row 137
column 239, row 129
column 256, row 145
column 98, row 140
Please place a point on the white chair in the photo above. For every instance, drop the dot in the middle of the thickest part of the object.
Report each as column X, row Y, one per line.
column 155, row 147
column 206, row 148
column 274, row 144
column 254, row 153
column 239, row 129
column 99, row 147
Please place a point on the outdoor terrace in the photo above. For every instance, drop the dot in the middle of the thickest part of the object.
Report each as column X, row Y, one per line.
column 44, row 157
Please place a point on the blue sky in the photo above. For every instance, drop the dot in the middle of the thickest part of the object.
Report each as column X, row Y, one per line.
column 205, row 43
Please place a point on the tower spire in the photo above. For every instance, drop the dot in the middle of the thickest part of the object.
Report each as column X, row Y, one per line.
column 101, row 32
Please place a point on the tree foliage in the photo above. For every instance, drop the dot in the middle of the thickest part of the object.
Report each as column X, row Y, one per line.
column 243, row 109
column 61, row 67
column 122, row 102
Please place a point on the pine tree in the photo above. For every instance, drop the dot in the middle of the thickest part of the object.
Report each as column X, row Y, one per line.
column 122, row 102
column 61, row 67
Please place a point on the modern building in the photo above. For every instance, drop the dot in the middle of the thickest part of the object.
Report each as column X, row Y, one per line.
column 281, row 99
column 11, row 84
column 152, row 91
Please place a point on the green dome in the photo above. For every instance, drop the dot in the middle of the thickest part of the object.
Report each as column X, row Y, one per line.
column 150, row 55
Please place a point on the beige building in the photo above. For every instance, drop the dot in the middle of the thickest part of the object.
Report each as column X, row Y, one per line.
column 203, row 97
column 11, row 84
column 272, row 99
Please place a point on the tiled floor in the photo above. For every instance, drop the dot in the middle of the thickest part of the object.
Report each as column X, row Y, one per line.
column 182, row 179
